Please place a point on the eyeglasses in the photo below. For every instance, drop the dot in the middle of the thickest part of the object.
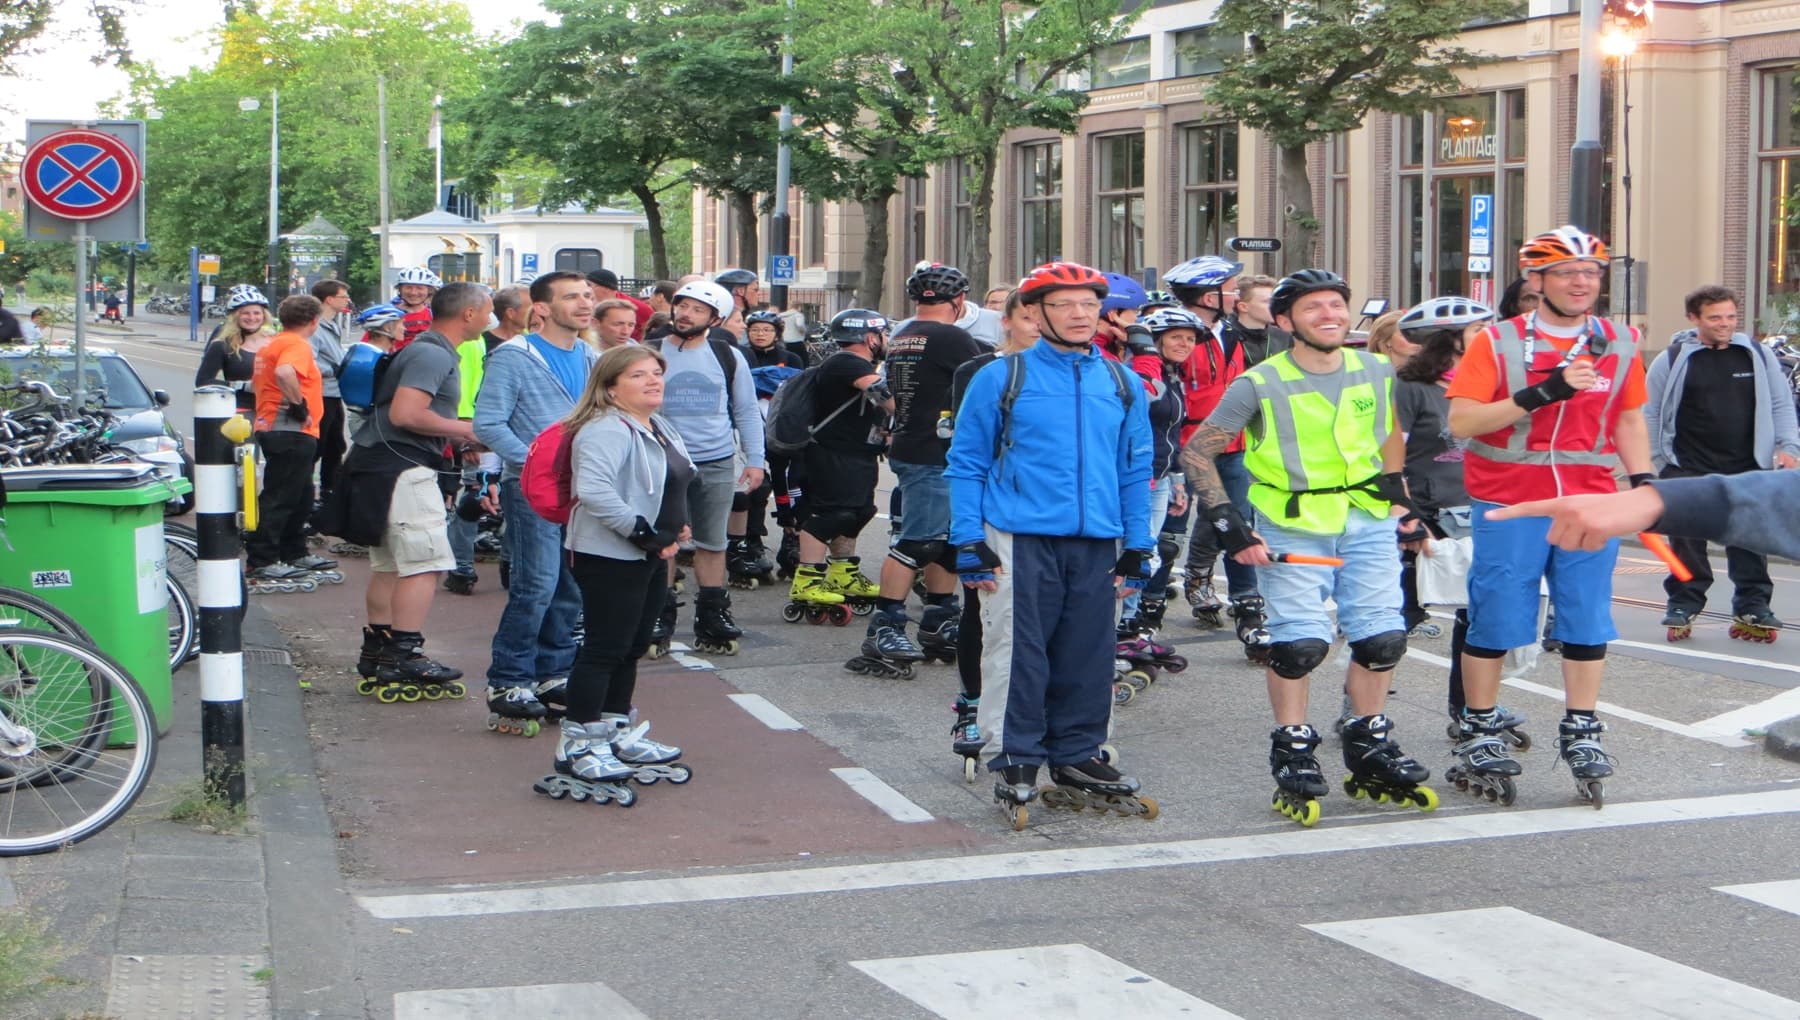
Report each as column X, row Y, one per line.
column 1590, row 273
column 1072, row 306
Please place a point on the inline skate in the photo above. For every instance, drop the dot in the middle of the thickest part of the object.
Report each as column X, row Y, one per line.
column 1379, row 770
column 887, row 652
column 404, row 673
column 1761, row 626
column 351, row 549
column 662, row 633
column 1578, row 739
column 714, row 629
column 1139, row 647
column 809, row 597
column 1299, row 782
column 648, row 760
column 787, row 555
column 747, row 565
column 280, row 577
column 1202, row 600
column 457, row 582
column 1483, row 768
column 1247, row 612
column 1510, row 721
column 586, row 768
column 1095, row 784
column 515, row 708
column 1014, row 791
column 1127, row 681
column 844, row 576
column 1151, row 610
column 553, row 694
column 322, row 568
column 1424, row 628
column 369, row 659
column 488, row 546
column 1681, row 625
column 938, row 628
column 965, row 737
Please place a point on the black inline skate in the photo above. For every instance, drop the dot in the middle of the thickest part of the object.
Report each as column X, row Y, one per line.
column 368, row 661
column 714, row 629
column 648, row 760
column 586, row 768
column 351, row 549
column 887, row 652
column 1680, row 623
column 282, row 578
column 747, row 564
column 787, row 555
column 322, row 568
column 1578, row 739
column 1379, row 770
column 1483, row 768
column 458, row 583
column 553, row 694
column 1014, row 791
column 515, row 708
column 1510, row 721
column 938, row 629
column 1151, row 610
column 1095, row 784
column 965, row 737
column 1247, row 612
column 1202, row 600
column 1137, row 645
column 1299, row 782
column 404, row 673
column 488, row 546
column 662, row 633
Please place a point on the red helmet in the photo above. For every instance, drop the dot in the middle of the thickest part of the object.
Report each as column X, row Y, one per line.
column 1060, row 276
column 1564, row 244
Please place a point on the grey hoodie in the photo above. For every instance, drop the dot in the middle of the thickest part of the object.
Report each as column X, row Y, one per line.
column 1776, row 429
column 619, row 475
column 520, row 396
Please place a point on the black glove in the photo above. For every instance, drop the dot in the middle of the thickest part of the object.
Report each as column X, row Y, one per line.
column 1133, row 567
column 298, row 413
column 1551, row 390
column 1233, row 531
column 646, row 537
column 1139, row 339
column 1642, row 478
column 1391, row 488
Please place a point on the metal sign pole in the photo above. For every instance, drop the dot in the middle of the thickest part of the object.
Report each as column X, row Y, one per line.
column 81, row 283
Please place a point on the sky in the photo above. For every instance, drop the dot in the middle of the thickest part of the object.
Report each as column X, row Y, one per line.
column 59, row 83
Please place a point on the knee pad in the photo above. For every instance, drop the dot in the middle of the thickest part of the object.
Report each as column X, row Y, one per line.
column 1166, row 547
column 1481, row 652
column 1295, row 660
column 1583, row 653
column 915, row 553
column 1379, row 653
column 740, row 501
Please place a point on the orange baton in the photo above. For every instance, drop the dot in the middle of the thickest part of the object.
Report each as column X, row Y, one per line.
column 1311, row 561
column 1660, row 546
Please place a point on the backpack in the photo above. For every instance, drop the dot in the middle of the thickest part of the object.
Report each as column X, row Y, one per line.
column 727, row 364
column 768, row 379
column 1126, row 382
column 357, row 377
column 790, row 428
column 548, row 478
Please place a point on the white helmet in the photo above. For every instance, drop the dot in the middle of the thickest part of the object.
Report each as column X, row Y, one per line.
column 418, row 274
column 707, row 292
column 244, row 294
column 1449, row 312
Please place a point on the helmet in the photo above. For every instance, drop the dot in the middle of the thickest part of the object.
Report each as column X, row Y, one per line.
column 418, row 274
column 936, row 283
column 1122, row 292
column 734, row 278
column 707, row 294
column 770, row 318
column 1159, row 299
column 1450, row 312
column 244, row 294
column 1205, row 271
column 1060, row 276
column 378, row 316
column 849, row 325
column 1564, row 244
column 1297, row 285
column 1161, row 320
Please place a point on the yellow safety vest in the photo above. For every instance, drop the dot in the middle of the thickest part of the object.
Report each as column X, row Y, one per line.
column 1304, row 445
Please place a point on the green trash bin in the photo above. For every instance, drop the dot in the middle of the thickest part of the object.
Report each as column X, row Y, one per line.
column 88, row 539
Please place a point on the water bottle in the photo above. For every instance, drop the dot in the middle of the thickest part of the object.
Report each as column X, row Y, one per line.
column 946, row 425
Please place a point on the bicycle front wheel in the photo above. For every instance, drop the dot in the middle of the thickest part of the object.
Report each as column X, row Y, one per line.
column 184, row 623
column 59, row 781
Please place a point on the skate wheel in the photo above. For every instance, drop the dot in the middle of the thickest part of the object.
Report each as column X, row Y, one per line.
column 969, row 765
column 410, row 694
column 1149, row 810
column 1020, row 815
column 627, row 796
column 367, row 687
column 1520, row 739
column 1595, row 792
column 815, row 616
column 1508, row 793
column 862, row 608
column 387, row 695
column 1426, row 798
column 646, row 780
column 530, row 729
column 553, row 792
column 578, row 795
column 840, row 615
column 1353, row 791
column 1140, row 679
column 791, row 613
column 679, row 774
column 456, row 690
column 1176, row 664
column 1123, row 693
column 1109, row 754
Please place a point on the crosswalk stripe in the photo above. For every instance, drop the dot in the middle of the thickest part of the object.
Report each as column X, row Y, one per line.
column 1780, row 895
column 1067, row 982
column 1551, row 971
column 870, row 787
column 550, row 1002
column 765, row 712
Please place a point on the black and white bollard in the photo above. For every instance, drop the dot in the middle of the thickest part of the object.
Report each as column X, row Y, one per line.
column 216, row 497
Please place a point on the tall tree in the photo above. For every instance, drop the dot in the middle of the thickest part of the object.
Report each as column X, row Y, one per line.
column 1313, row 68
column 24, row 22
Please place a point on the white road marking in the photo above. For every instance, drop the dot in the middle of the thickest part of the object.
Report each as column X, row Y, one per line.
column 1694, row 653
column 1710, row 735
column 1069, row 982
column 547, row 1001
column 1756, row 716
column 1419, row 831
column 870, row 787
column 1550, row 970
column 765, row 712
column 678, row 653
column 1780, row 895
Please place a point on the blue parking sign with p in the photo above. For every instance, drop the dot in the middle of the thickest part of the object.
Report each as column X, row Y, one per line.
column 1481, row 224
column 782, row 268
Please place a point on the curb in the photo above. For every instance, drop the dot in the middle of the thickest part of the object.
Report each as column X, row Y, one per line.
column 1783, row 739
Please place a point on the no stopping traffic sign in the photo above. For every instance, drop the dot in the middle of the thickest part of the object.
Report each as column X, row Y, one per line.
column 80, row 175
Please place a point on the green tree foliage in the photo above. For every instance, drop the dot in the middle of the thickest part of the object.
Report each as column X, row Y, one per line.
column 1313, row 68
column 23, row 258
column 24, row 22
column 208, row 162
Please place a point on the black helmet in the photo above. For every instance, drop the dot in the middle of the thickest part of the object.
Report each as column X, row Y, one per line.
column 734, row 278
column 769, row 318
column 851, row 325
column 933, row 283
column 1297, row 285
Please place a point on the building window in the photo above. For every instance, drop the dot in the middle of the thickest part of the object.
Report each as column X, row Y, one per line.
column 1119, row 203
column 1040, row 204
column 1203, row 50
column 1337, row 199
column 1209, row 191
column 457, row 267
column 1122, row 63
column 577, row 260
column 815, row 231
column 1466, row 154
column 962, row 215
column 1776, row 282
column 914, row 226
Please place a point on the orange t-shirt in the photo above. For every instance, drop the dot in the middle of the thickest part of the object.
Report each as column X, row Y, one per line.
column 294, row 350
column 1478, row 374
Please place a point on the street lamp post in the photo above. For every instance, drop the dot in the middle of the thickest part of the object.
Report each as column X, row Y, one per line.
column 248, row 105
column 1619, row 44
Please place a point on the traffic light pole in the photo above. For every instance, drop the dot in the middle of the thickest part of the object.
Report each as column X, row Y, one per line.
column 1587, row 156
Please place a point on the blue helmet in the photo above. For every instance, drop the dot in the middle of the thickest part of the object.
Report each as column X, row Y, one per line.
column 378, row 315
column 1203, row 272
column 1122, row 292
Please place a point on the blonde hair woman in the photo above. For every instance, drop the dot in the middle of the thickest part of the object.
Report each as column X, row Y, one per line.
column 630, row 475
column 1385, row 339
column 230, row 355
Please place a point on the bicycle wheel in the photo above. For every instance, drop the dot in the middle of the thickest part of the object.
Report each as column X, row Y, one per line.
column 59, row 701
column 184, row 623
column 26, row 611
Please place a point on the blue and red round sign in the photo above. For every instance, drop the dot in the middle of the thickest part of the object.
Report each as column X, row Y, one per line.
column 81, row 175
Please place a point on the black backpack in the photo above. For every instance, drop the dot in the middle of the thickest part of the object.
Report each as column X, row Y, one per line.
column 789, row 428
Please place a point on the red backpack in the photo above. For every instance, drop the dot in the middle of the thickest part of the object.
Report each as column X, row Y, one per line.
column 549, row 474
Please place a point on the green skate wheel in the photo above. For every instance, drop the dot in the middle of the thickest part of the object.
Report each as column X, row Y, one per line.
column 456, row 690
column 530, row 728
column 388, row 695
column 411, row 694
column 367, row 687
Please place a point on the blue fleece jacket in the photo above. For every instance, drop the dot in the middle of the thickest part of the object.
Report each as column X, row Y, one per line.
column 1079, row 463
column 520, row 396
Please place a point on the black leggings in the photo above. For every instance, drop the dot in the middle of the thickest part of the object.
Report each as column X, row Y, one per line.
column 968, row 643
column 1459, row 636
column 620, row 601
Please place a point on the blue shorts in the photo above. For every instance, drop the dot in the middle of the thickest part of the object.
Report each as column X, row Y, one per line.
column 926, row 499
column 1366, row 588
column 1510, row 557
